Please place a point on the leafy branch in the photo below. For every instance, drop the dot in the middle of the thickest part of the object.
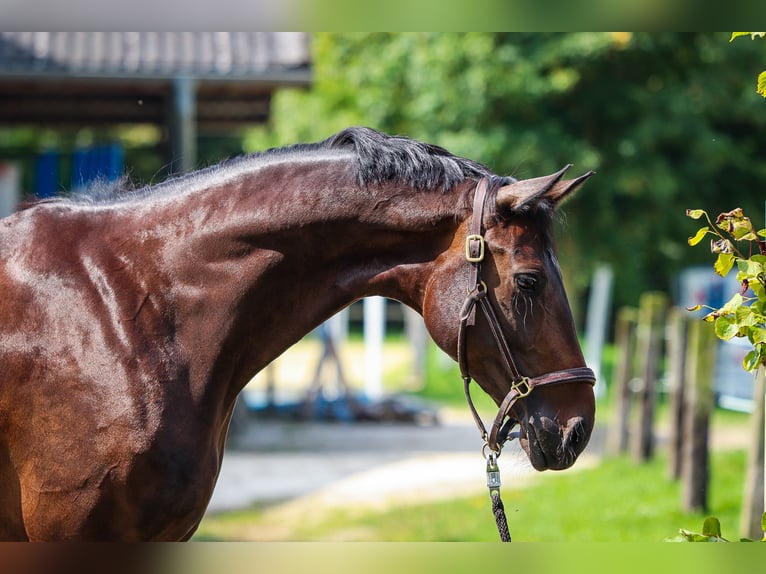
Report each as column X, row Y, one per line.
column 711, row 532
column 744, row 315
column 762, row 76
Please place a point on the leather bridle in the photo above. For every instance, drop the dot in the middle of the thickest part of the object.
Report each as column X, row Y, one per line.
column 521, row 386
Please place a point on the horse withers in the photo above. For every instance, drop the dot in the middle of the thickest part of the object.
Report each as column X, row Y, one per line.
column 131, row 320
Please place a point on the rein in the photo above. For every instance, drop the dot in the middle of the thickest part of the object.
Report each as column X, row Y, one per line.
column 521, row 386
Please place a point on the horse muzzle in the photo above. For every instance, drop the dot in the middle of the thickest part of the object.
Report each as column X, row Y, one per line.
column 551, row 445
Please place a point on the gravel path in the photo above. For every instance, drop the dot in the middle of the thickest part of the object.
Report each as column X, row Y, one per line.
column 361, row 464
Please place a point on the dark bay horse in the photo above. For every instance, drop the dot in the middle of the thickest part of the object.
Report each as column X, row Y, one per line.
column 130, row 321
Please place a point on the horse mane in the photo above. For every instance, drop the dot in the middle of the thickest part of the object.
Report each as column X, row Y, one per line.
column 380, row 159
column 383, row 158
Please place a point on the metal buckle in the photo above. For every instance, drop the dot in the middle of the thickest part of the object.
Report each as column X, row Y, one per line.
column 522, row 387
column 468, row 256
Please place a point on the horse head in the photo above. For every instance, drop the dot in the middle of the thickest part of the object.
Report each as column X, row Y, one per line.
column 496, row 303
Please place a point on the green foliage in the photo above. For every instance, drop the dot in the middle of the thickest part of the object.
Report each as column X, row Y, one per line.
column 761, row 86
column 711, row 532
column 744, row 314
column 662, row 118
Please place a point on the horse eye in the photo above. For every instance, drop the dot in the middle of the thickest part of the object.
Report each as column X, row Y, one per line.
column 527, row 282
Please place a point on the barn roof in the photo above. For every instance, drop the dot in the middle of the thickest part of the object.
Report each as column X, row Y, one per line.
column 270, row 56
column 72, row 79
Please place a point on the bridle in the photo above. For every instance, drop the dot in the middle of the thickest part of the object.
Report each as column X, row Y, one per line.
column 521, row 386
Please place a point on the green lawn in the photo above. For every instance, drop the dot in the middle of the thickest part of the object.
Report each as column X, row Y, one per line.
column 615, row 501
column 618, row 500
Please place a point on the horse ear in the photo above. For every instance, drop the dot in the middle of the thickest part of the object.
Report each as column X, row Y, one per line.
column 564, row 188
column 550, row 187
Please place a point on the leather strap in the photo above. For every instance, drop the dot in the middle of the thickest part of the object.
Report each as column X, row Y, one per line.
column 521, row 386
column 474, row 243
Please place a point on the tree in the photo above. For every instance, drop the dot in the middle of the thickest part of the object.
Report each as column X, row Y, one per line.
column 664, row 119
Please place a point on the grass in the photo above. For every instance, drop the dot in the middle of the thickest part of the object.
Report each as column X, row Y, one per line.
column 616, row 501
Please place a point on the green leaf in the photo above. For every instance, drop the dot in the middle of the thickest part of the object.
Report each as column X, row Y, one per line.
column 726, row 220
column 757, row 335
column 753, row 35
column 735, row 223
column 750, row 269
column 698, row 236
column 744, row 233
column 731, row 305
column 726, row 327
column 746, row 316
column 724, row 263
column 712, row 527
column 762, row 84
column 695, row 213
column 750, row 361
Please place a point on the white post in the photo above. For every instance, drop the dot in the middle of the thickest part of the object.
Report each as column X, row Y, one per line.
column 183, row 130
column 374, row 331
column 9, row 188
column 597, row 320
column 417, row 336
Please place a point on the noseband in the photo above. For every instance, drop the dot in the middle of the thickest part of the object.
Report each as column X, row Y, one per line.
column 521, row 386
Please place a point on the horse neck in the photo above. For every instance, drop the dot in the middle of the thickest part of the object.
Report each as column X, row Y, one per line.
column 256, row 263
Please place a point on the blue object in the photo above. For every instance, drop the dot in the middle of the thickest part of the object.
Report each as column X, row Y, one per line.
column 104, row 163
column 46, row 174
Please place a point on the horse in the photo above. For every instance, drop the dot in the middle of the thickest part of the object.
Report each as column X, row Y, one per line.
column 131, row 318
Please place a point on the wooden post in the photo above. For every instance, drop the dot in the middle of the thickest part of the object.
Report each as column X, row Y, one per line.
column 625, row 340
column 754, row 503
column 650, row 328
column 700, row 366
column 678, row 319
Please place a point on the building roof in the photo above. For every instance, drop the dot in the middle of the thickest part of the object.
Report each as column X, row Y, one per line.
column 275, row 56
column 71, row 79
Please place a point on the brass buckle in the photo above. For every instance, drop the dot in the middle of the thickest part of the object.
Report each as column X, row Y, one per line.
column 522, row 387
column 468, row 256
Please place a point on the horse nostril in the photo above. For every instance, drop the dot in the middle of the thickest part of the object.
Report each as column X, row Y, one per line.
column 576, row 435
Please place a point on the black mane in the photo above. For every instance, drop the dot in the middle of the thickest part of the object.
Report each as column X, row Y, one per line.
column 382, row 158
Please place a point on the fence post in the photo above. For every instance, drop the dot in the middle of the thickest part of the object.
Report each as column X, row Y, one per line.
column 650, row 328
column 700, row 364
column 625, row 340
column 753, row 503
column 676, row 353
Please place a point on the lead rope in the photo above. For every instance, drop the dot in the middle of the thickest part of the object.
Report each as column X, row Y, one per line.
column 493, row 483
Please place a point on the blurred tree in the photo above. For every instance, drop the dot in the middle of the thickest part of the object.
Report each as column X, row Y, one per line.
column 666, row 120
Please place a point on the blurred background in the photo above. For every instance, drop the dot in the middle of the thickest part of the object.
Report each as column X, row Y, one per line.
column 669, row 121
